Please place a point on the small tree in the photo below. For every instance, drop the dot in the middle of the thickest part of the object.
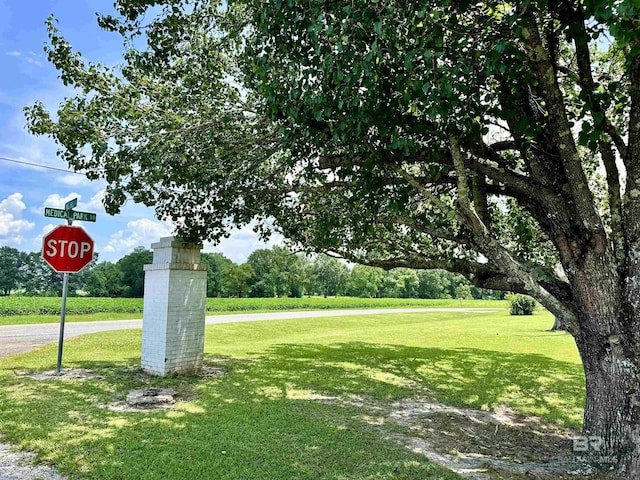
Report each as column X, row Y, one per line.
column 216, row 264
column 131, row 267
column 238, row 278
column 39, row 278
column 11, row 260
column 105, row 280
column 365, row 281
column 277, row 272
column 330, row 275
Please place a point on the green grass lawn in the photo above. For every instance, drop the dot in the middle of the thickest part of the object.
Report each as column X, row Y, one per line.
column 261, row 421
column 35, row 310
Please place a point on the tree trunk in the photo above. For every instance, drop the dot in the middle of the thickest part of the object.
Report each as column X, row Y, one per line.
column 611, row 426
column 604, row 325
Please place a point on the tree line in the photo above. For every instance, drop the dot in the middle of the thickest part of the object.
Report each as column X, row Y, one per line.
column 274, row 272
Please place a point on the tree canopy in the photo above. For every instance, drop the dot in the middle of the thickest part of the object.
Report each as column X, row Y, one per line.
column 497, row 140
column 432, row 120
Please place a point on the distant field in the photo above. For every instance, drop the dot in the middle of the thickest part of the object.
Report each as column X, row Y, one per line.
column 88, row 306
column 10, row 306
column 319, row 303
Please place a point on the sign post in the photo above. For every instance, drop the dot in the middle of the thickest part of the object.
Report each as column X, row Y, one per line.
column 67, row 249
column 63, row 310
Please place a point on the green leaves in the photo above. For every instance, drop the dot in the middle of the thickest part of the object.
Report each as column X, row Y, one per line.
column 333, row 120
column 621, row 19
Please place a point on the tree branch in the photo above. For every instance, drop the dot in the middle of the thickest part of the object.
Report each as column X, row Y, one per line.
column 495, row 252
column 516, row 181
column 633, row 155
column 631, row 220
column 482, row 275
column 503, row 146
column 587, row 84
column 479, row 192
column 578, row 185
column 430, row 230
column 466, row 208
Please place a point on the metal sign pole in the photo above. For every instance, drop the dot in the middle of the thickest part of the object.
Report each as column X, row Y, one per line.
column 63, row 311
column 65, row 287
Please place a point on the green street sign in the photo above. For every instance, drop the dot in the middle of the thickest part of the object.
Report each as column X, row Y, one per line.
column 71, row 204
column 70, row 214
column 83, row 216
column 55, row 213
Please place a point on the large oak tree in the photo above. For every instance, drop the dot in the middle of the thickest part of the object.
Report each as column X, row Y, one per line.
column 500, row 141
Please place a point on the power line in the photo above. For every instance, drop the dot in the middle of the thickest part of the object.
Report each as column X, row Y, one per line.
column 47, row 167
column 41, row 166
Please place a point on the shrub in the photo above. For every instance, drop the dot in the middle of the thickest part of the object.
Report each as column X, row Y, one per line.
column 522, row 305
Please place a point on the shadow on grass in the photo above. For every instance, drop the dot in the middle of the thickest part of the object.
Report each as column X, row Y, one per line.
column 481, row 379
column 254, row 422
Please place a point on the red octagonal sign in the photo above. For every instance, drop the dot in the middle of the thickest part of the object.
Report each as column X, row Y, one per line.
column 67, row 249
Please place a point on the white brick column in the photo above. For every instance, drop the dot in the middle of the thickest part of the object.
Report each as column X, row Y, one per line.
column 175, row 294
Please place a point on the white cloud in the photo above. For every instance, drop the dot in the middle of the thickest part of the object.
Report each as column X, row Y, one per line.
column 46, row 229
column 13, row 205
column 36, row 242
column 96, row 202
column 241, row 243
column 12, row 226
column 73, row 180
column 142, row 232
column 33, row 61
column 30, row 57
column 56, row 201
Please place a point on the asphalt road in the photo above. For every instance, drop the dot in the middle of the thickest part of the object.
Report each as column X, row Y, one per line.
column 23, row 338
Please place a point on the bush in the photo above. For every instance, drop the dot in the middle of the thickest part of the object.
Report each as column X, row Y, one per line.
column 522, row 305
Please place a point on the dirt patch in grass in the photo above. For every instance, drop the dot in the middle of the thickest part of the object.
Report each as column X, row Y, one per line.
column 456, row 435
column 65, row 374
column 502, row 434
column 489, row 445
column 15, row 465
column 149, row 397
column 479, row 444
column 211, row 371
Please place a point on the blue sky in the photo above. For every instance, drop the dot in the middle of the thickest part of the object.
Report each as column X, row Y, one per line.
column 25, row 191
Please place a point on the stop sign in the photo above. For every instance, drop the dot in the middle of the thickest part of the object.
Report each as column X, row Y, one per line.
column 67, row 249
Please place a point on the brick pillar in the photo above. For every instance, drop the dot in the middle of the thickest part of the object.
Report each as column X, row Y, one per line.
column 175, row 294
